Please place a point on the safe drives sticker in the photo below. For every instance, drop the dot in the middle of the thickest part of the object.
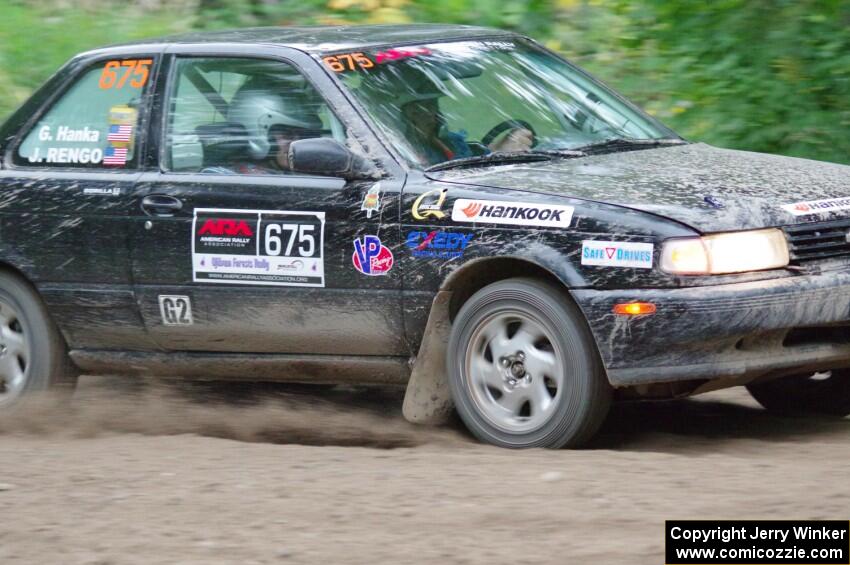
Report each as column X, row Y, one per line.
column 512, row 213
column 259, row 247
column 616, row 254
column 817, row 206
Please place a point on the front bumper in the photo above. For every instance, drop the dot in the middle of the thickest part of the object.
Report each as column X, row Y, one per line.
column 779, row 326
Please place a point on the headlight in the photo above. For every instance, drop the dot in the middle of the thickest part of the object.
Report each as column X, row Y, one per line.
column 734, row 252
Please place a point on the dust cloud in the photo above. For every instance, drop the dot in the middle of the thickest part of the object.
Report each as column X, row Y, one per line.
column 249, row 412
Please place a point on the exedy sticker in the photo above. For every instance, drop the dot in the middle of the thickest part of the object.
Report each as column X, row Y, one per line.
column 429, row 205
column 617, row 254
column 260, row 247
column 817, row 206
column 371, row 257
column 438, row 244
column 512, row 213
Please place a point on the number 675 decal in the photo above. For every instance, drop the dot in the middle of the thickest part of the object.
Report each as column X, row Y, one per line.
column 306, row 241
column 116, row 73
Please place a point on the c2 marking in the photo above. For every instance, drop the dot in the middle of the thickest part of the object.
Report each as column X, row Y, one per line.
column 175, row 310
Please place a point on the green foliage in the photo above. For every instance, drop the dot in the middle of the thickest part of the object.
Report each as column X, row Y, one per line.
column 37, row 38
column 765, row 75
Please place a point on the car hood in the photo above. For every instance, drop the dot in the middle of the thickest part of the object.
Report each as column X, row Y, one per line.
column 707, row 188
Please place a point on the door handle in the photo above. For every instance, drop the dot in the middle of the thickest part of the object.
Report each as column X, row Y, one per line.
column 161, row 205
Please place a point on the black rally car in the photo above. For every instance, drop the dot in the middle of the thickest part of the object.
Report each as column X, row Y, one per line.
column 452, row 208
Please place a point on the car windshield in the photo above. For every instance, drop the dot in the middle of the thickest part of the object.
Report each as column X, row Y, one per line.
column 446, row 101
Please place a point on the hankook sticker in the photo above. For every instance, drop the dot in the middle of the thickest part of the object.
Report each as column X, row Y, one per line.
column 617, row 254
column 512, row 213
column 817, row 206
column 258, row 247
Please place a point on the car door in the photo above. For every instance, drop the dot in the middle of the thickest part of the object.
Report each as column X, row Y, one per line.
column 231, row 253
column 66, row 189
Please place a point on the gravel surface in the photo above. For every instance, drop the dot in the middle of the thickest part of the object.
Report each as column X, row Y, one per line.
column 185, row 474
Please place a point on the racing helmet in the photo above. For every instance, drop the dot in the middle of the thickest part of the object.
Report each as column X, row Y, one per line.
column 261, row 109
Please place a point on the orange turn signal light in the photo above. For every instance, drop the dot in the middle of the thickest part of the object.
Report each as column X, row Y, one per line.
column 634, row 308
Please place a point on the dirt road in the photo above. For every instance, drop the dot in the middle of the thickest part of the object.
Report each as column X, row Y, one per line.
column 133, row 476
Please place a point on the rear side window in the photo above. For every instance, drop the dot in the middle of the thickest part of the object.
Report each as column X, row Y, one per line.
column 95, row 123
column 238, row 116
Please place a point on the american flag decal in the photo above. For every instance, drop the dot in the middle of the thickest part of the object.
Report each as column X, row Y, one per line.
column 115, row 156
column 119, row 133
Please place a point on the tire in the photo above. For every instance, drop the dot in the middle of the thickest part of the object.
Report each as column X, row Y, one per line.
column 523, row 368
column 33, row 355
column 826, row 394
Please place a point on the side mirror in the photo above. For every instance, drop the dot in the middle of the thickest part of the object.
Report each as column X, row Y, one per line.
column 328, row 157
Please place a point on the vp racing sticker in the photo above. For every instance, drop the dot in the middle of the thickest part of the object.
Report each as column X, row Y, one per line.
column 371, row 257
column 258, row 247
column 512, row 213
column 617, row 254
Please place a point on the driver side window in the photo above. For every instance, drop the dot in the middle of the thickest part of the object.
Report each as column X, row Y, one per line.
column 239, row 116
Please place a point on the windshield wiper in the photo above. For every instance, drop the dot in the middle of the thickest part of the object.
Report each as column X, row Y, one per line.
column 505, row 158
column 627, row 143
column 559, row 152
column 490, row 159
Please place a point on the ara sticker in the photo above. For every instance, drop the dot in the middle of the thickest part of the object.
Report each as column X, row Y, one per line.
column 258, row 247
column 348, row 62
column 176, row 310
column 438, row 244
column 512, row 213
column 115, row 74
column 617, row 254
column 817, row 206
column 371, row 257
column 372, row 200
column 430, row 204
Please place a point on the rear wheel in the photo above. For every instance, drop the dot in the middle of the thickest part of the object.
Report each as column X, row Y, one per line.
column 523, row 368
column 33, row 355
column 819, row 393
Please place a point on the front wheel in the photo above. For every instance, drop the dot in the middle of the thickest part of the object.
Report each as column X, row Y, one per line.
column 826, row 394
column 523, row 368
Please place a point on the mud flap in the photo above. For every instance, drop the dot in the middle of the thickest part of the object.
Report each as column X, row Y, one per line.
column 428, row 400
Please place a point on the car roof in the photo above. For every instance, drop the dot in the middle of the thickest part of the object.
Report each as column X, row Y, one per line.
column 319, row 39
